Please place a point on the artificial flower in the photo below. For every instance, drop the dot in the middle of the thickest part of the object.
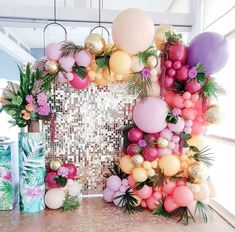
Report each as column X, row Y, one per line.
column 29, row 99
column 8, row 176
column 43, row 110
column 34, row 192
column 26, row 116
column 192, row 73
column 29, row 107
column 63, row 171
column 41, row 98
column 145, row 72
column 142, row 143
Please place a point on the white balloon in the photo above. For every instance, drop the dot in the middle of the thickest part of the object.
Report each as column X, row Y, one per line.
column 75, row 189
column 212, row 189
column 203, row 194
column 195, row 188
column 70, row 182
column 54, row 198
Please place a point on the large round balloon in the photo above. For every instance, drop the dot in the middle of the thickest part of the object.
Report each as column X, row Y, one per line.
column 150, row 115
column 133, row 31
column 209, row 49
column 79, row 83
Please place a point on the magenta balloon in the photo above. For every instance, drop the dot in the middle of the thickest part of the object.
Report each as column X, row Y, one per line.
column 78, row 82
column 209, row 49
column 133, row 149
column 150, row 153
column 150, row 115
column 135, row 134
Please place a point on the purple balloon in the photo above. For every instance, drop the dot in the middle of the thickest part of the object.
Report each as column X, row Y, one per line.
column 209, row 49
column 114, row 183
column 108, row 195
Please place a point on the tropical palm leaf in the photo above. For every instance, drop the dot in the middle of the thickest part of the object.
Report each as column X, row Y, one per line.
column 7, row 194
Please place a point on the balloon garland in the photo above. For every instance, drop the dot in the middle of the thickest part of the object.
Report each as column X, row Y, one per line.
column 164, row 166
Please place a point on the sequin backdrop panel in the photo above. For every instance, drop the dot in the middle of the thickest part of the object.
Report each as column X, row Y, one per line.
column 89, row 131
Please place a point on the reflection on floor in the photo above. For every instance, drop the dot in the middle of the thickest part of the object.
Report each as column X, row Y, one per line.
column 95, row 215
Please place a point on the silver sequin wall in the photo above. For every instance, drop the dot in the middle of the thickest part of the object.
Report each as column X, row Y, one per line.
column 89, row 130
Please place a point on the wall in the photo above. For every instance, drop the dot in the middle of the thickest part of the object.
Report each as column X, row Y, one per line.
column 8, row 67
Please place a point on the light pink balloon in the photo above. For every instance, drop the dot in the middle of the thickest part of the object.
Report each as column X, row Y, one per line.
column 166, row 133
column 83, row 58
column 61, row 78
column 182, row 196
column 66, row 63
column 108, row 195
column 157, row 195
column 78, row 82
column 133, row 31
column 53, row 51
column 169, row 204
column 145, row 192
column 114, row 182
column 69, row 76
column 150, row 115
column 178, row 127
column 143, row 203
column 165, row 151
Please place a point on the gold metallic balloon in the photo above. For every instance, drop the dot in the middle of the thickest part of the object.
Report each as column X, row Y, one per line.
column 51, row 67
column 162, row 142
column 95, row 43
column 55, row 164
column 137, row 159
column 152, row 61
column 213, row 114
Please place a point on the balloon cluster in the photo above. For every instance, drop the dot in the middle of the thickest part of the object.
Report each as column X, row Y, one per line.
column 61, row 186
column 164, row 167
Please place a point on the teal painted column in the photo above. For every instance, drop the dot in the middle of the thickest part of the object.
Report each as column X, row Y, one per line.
column 32, row 171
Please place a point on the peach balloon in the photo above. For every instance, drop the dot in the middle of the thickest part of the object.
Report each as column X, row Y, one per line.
column 139, row 174
column 169, row 165
column 182, row 196
column 120, row 62
column 196, row 141
column 145, row 192
column 126, row 165
column 169, row 204
column 133, row 31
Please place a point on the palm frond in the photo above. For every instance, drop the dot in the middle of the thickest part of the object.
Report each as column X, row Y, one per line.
column 116, row 170
column 203, row 155
column 160, row 211
column 70, row 203
column 211, row 89
column 69, row 48
column 128, row 202
column 204, row 212
column 139, row 86
column 182, row 214
column 143, row 56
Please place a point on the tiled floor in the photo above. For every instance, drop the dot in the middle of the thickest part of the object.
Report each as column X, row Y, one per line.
column 96, row 216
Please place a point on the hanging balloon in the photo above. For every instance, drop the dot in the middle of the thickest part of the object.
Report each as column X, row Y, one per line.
column 79, row 83
column 51, row 67
column 150, row 115
column 95, row 43
column 209, row 49
column 120, row 62
column 133, row 31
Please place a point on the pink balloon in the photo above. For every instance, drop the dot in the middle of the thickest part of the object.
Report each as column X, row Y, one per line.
column 78, row 82
column 178, row 101
column 169, row 96
column 131, row 181
column 157, row 195
column 178, row 127
column 150, row 153
column 169, row 204
column 114, row 183
column 169, row 187
column 150, row 115
column 83, row 58
column 189, row 113
column 53, row 51
column 135, row 134
column 125, row 182
column 66, row 63
column 182, row 196
column 152, row 203
column 180, row 183
column 108, row 195
column 143, row 203
column 69, row 76
column 61, row 78
column 198, row 128
column 145, row 192
column 133, row 31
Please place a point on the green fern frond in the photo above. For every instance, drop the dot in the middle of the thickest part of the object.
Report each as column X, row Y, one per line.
column 143, row 56
column 204, row 211
column 211, row 89
column 202, row 155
